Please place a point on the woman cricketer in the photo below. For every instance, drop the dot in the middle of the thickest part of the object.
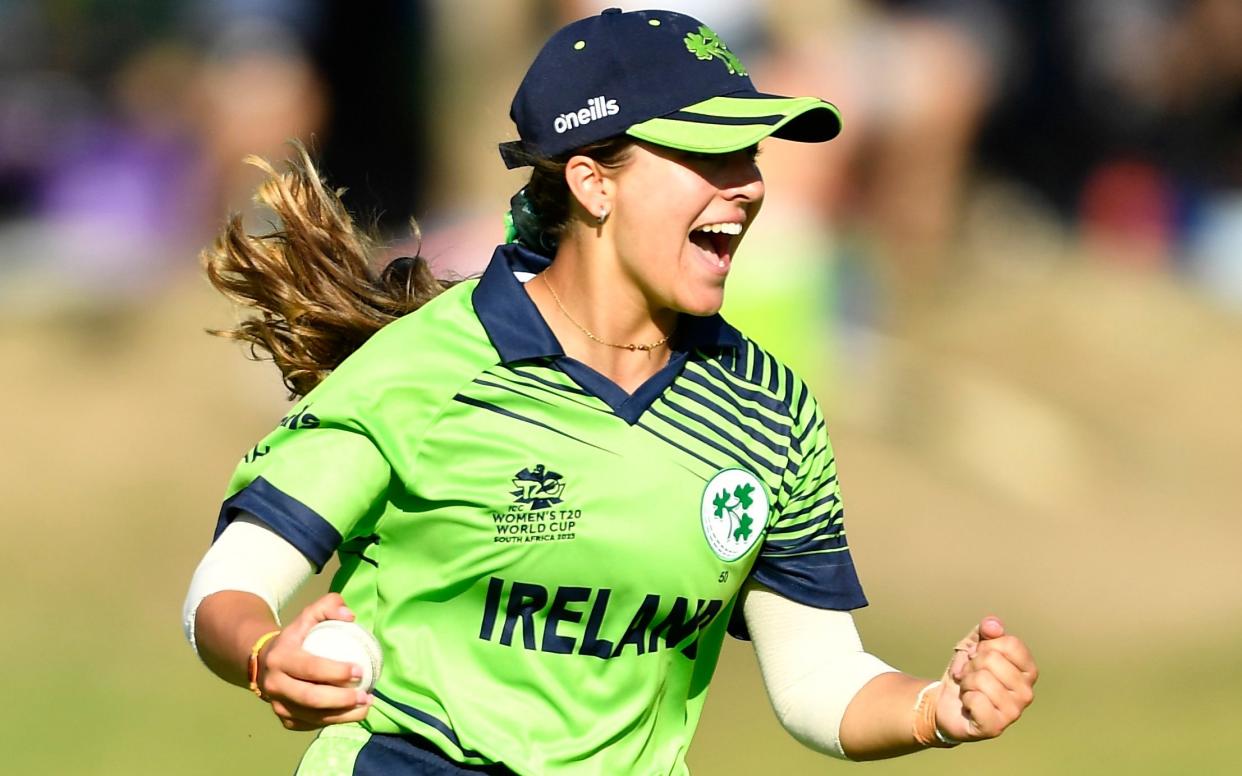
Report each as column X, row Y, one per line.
column 555, row 487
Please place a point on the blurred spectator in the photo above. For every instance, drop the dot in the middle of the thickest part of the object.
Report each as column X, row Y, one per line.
column 912, row 81
column 259, row 89
column 122, row 130
column 376, row 143
column 1128, row 118
column 349, row 82
column 95, row 152
column 925, row 74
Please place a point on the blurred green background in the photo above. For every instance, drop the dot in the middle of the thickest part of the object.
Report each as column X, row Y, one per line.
column 1015, row 281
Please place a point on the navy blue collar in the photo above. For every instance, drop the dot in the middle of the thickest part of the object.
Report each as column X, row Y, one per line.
column 519, row 333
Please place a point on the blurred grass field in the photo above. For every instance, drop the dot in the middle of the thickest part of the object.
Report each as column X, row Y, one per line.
column 1062, row 451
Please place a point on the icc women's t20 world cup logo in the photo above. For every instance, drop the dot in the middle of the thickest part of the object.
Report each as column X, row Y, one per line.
column 537, row 488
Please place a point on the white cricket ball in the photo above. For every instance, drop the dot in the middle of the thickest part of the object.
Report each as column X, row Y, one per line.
column 347, row 642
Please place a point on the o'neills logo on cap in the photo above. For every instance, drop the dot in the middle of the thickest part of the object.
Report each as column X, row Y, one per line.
column 597, row 108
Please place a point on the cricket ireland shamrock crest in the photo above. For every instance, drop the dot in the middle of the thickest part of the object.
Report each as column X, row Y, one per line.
column 706, row 44
column 734, row 512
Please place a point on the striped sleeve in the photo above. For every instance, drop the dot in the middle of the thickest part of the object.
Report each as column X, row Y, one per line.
column 805, row 556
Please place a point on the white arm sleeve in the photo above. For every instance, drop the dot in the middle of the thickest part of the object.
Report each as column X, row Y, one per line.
column 251, row 558
column 812, row 662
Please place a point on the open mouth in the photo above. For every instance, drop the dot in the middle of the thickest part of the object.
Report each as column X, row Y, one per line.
column 717, row 242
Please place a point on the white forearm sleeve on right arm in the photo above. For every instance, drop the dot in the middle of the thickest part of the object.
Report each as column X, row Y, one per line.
column 813, row 665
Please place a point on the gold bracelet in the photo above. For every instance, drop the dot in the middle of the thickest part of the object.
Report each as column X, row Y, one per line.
column 253, row 665
column 926, row 733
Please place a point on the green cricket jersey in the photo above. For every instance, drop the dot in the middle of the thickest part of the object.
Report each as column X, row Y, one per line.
column 549, row 563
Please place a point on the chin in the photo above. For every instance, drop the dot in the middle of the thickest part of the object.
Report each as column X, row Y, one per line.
column 703, row 303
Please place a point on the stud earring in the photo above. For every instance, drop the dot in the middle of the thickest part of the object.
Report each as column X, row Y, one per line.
column 603, row 214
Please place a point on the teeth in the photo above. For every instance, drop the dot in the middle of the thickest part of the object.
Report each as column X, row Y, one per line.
column 731, row 227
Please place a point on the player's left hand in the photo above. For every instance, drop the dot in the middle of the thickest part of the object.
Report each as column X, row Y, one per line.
column 988, row 685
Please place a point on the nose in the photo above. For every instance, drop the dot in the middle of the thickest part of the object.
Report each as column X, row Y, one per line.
column 741, row 180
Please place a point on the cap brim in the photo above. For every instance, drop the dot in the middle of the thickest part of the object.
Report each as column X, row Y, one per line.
column 723, row 124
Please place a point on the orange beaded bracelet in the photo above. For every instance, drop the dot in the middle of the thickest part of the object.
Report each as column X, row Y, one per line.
column 254, row 661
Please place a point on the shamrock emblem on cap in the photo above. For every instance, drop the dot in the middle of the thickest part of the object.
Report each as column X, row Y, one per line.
column 706, row 44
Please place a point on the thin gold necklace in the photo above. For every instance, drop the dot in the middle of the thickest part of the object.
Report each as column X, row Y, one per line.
column 647, row 348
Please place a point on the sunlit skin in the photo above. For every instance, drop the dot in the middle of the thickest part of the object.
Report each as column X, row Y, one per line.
column 628, row 279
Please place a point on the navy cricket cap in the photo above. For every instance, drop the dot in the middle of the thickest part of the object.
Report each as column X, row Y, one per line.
column 657, row 76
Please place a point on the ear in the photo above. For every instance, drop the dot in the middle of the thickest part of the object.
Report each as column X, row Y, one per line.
column 589, row 184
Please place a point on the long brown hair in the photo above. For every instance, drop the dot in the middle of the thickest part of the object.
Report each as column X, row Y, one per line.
column 311, row 285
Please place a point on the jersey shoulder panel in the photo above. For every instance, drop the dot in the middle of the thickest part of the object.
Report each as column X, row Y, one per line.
column 400, row 378
column 327, row 465
column 766, row 383
column 804, row 555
